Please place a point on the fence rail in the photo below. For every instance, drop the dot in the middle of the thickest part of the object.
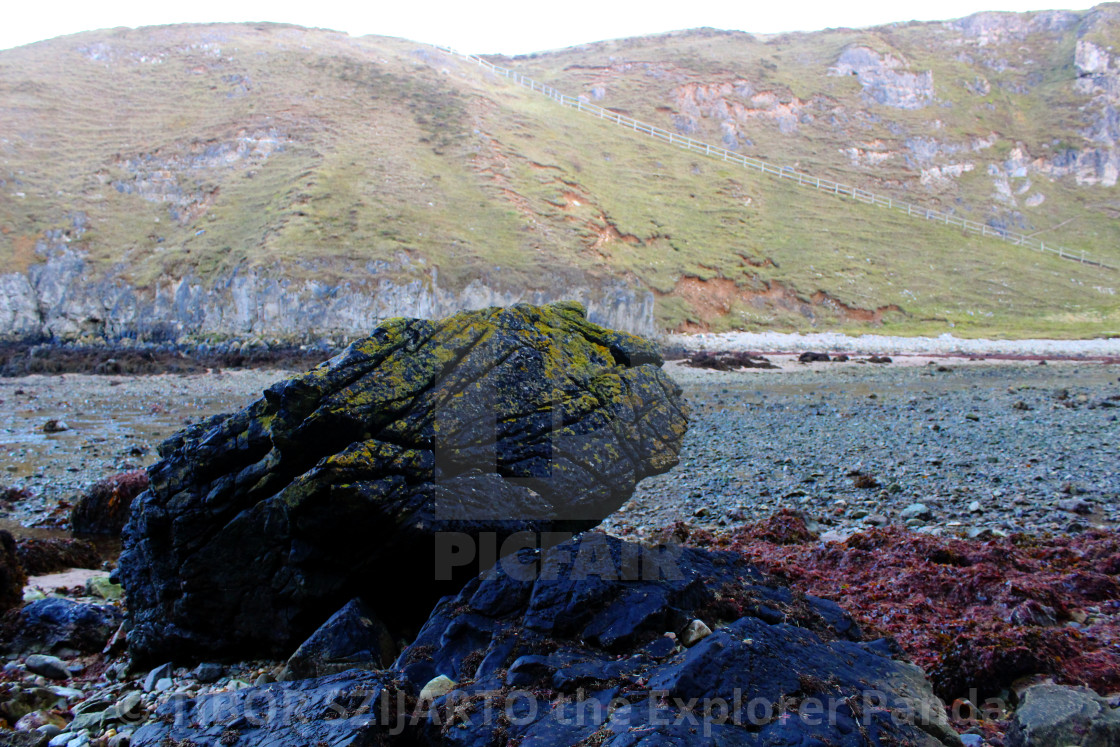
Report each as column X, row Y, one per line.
column 782, row 172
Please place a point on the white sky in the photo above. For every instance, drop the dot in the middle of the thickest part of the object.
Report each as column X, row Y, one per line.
column 480, row 27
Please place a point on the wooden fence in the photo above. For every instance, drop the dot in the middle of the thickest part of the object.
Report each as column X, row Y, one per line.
column 783, row 172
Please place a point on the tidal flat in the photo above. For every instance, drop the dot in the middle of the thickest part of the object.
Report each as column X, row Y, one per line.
column 939, row 445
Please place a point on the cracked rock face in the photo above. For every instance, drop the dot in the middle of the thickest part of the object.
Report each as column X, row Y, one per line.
column 405, row 464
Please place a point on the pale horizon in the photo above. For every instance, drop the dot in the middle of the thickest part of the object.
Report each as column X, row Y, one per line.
column 505, row 27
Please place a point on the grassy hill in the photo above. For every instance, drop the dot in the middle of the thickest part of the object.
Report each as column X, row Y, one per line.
column 209, row 152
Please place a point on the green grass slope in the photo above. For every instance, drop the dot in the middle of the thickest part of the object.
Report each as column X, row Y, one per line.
column 202, row 151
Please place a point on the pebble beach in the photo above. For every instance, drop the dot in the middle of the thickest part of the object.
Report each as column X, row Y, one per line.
column 939, row 444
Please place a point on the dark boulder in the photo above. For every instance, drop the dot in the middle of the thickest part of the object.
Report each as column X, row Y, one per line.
column 353, row 638
column 12, row 576
column 104, row 508
column 54, row 623
column 340, row 482
column 40, row 555
column 570, row 647
column 587, row 621
column 728, row 361
column 810, row 357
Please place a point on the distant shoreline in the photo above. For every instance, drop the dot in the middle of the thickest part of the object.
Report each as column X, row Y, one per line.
column 943, row 346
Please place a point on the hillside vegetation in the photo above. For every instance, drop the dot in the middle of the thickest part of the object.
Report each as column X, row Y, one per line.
column 134, row 163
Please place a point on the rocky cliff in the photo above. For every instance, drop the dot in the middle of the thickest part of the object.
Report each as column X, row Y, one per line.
column 62, row 299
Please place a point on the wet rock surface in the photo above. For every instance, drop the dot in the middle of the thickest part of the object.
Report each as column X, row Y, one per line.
column 485, row 423
column 535, row 651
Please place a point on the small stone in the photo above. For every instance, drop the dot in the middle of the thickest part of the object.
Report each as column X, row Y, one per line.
column 916, row 511
column 437, row 687
column 1075, row 506
column 972, row 416
column 1058, row 715
column 55, row 426
column 100, row 586
column 266, row 678
column 47, row 666
column 151, row 681
column 163, row 684
column 85, row 721
column 129, row 708
column 60, row 740
column 975, row 507
column 208, row 672
column 876, row 520
column 49, row 731
column 35, row 720
column 972, row 740
column 70, row 693
column 696, row 631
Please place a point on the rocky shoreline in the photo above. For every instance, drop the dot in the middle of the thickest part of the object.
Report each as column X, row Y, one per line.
column 927, row 470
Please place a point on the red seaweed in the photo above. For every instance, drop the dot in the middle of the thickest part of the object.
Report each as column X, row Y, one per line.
column 975, row 614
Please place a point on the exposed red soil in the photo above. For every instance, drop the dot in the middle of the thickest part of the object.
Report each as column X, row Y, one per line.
column 975, row 615
column 716, row 297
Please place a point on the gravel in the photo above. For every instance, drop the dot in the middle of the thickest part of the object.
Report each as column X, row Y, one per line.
column 984, row 447
column 114, row 424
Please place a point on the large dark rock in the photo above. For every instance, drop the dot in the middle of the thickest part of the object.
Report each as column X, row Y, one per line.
column 339, row 482
column 569, row 647
column 54, row 623
column 353, row 638
column 587, row 621
column 40, row 555
column 104, row 507
column 12, row 576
